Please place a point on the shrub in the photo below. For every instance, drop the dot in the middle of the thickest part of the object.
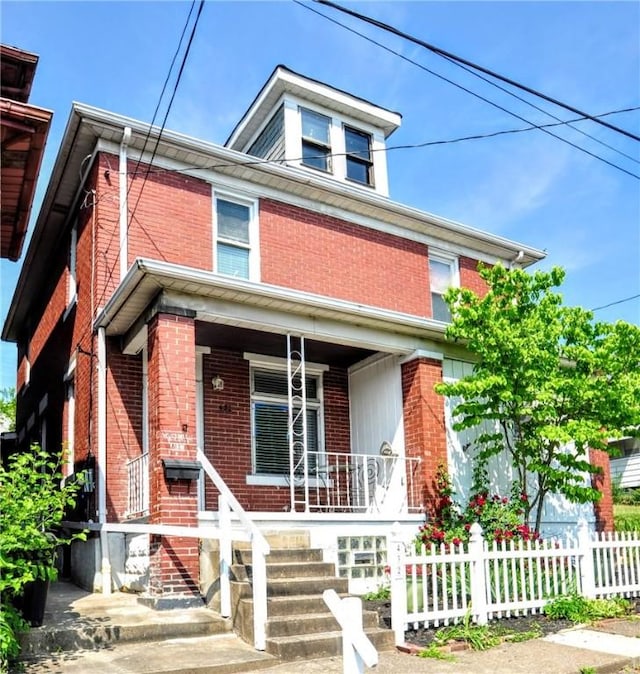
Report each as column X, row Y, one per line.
column 501, row 517
column 32, row 506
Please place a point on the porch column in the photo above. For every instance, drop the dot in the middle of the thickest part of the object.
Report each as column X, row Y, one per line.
column 174, row 561
column 603, row 509
column 424, row 424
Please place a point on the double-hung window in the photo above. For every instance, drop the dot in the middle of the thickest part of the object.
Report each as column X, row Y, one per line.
column 358, row 153
column 270, row 420
column 443, row 274
column 316, row 140
column 234, row 221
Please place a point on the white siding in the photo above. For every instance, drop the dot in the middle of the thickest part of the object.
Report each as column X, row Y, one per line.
column 625, row 471
column 559, row 514
column 375, row 395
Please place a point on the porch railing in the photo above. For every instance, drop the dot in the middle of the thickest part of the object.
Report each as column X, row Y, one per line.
column 375, row 483
column 138, row 481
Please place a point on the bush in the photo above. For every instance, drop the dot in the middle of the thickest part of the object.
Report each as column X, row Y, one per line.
column 32, row 506
column 500, row 517
column 579, row 609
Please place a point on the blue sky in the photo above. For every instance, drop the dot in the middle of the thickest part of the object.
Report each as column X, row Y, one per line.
column 526, row 186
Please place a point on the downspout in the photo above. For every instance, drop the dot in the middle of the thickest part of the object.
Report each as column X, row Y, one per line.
column 124, row 190
column 102, row 460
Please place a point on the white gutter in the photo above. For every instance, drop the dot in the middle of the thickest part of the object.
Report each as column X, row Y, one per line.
column 102, row 460
column 124, row 189
column 157, row 268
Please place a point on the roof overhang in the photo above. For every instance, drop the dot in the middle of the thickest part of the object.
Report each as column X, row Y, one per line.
column 214, row 298
column 285, row 81
column 90, row 129
column 24, row 130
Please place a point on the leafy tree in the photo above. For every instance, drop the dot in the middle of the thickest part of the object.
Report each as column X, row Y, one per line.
column 550, row 382
column 8, row 409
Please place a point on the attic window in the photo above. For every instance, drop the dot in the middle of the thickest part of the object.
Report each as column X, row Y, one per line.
column 358, row 152
column 316, row 144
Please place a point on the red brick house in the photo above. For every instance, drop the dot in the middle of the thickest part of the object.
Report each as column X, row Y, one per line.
column 263, row 306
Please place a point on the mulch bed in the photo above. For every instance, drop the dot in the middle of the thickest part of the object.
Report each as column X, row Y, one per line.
column 424, row 636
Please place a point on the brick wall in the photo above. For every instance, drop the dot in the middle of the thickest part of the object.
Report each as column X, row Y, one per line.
column 469, row 276
column 124, row 425
column 321, row 254
column 228, row 428
column 424, row 424
column 174, row 563
column 603, row 508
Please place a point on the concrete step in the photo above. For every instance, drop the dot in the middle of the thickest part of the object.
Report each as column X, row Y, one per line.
column 278, row 587
column 296, row 605
column 226, row 654
column 286, row 570
column 296, row 538
column 95, row 621
column 322, row 645
column 311, row 623
column 280, row 555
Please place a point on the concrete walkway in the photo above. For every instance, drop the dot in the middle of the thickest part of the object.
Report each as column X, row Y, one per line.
column 611, row 646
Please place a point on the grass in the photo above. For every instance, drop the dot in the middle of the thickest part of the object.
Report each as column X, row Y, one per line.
column 626, row 517
column 579, row 609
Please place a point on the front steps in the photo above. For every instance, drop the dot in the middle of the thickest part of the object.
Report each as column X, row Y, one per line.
column 299, row 624
column 85, row 632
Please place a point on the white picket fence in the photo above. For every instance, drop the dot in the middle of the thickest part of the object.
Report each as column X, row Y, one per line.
column 444, row 584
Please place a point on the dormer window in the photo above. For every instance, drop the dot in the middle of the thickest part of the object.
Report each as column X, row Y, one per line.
column 358, row 153
column 316, row 143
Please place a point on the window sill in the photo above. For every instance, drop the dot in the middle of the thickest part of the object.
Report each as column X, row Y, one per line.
column 282, row 481
column 70, row 307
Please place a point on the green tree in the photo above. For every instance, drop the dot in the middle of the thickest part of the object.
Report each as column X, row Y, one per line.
column 549, row 383
column 8, row 409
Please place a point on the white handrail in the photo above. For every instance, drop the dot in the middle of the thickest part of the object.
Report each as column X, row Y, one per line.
column 357, row 649
column 259, row 548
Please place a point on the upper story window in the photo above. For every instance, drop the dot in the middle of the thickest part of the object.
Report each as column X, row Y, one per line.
column 73, row 245
column 316, row 140
column 358, row 154
column 236, row 245
column 443, row 274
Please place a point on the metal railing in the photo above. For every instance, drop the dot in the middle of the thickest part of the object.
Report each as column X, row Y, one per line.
column 138, row 481
column 375, row 483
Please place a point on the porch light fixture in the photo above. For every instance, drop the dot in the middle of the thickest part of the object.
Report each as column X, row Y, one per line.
column 217, row 383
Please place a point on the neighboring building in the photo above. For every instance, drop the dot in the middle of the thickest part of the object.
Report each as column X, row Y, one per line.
column 178, row 306
column 625, row 464
column 24, row 130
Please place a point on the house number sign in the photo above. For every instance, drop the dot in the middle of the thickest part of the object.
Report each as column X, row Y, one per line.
column 178, row 440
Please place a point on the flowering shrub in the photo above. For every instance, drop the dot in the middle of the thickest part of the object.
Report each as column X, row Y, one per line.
column 500, row 517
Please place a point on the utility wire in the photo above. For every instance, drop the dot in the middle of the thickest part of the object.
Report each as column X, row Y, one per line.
column 612, row 304
column 475, row 74
column 164, row 88
column 436, row 50
column 407, row 146
column 473, row 93
column 157, row 143
column 173, row 95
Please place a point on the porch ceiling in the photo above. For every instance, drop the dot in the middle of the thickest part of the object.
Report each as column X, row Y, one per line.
column 271, row 344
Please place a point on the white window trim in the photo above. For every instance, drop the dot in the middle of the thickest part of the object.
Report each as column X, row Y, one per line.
column 262, row 362
column 72, row 290
column 338, row 169
column 449, row 259
column 254, row 230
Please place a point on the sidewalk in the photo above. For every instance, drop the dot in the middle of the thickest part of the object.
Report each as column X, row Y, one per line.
column 79, row 618
column 614, row 651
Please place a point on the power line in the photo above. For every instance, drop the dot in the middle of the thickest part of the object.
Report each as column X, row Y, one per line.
column 157, row 143
column 473, row 93
column 407, row 146
column 436, row 50
column 612, row 304
column 475, row 74
column 173, row 95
